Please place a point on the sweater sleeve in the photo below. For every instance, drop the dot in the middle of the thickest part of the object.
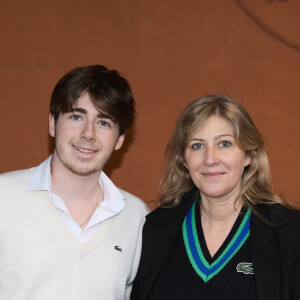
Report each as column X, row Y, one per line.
column 136, row 260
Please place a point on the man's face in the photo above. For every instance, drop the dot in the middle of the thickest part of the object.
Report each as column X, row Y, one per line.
column 84, row 138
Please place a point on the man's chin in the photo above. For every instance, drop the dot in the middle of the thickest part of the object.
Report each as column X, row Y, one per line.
column 83, row 171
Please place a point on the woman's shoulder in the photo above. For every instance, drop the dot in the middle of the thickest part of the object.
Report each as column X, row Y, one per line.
column 280, row 216
column 171, row 216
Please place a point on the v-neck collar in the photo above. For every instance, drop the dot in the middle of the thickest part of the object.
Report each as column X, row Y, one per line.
column 81, row 249
column 210, row 259
column 205, row 265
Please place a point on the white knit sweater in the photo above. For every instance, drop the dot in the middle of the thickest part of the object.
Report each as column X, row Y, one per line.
column 40, row 259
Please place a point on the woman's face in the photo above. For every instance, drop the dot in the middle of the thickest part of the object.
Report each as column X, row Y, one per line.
column 214, row 160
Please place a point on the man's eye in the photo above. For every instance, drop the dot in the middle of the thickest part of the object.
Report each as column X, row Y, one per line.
column 225, row 144
column 104, row 123
column 76, row 117
column 197, row 146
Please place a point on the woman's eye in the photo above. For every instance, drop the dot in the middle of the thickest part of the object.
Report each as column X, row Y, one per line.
column 197, row 146
column 76, row 117
column 225, row 144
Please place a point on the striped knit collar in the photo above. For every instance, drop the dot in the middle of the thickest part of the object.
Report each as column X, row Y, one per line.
column 194, row 251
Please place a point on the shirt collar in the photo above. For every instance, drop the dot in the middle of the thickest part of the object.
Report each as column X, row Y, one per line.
column 113, row 199
column 41, row 179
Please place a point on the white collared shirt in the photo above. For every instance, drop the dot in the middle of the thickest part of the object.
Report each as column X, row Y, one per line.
column 111, row 205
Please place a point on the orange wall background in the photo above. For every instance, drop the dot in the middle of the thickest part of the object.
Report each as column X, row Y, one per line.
column 172, row 52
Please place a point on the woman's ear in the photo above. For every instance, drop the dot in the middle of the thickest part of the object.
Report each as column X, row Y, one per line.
column 248, row 159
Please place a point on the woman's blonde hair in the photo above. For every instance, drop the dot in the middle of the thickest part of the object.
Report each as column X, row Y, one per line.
column 256, row 178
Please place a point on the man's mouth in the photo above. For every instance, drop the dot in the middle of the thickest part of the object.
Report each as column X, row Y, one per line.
column 84, row 150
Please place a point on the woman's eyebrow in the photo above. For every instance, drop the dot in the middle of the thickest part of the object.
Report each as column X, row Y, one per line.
column 223, row 135
column 215, row 138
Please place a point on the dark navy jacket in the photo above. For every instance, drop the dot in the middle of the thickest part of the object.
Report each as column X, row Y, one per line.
column 275, row 249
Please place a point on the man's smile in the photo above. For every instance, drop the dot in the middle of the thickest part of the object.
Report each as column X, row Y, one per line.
column 84, row 150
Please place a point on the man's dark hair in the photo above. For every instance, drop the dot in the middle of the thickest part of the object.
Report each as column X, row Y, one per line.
column 108, row 90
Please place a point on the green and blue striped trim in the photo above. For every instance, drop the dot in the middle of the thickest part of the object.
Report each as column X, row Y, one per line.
column 195, row 254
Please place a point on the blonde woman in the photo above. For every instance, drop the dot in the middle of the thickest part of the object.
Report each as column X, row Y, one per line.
column 220, row 232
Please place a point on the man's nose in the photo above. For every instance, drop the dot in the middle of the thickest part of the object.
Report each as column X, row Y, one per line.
column 88, row 131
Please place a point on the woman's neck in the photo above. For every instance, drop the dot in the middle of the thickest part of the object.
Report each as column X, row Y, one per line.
column 217, row 218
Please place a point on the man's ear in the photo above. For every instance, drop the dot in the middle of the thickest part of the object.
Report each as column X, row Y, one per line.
column 51, row 125
column 120, row 141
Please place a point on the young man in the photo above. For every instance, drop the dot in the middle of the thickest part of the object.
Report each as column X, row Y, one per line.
column 66, row 231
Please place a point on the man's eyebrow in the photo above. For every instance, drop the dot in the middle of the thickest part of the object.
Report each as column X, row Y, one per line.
column 100, row 114
column 78, row 109
column 105, row 116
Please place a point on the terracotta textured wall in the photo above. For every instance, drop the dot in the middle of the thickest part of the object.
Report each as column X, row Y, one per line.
column 172, row 52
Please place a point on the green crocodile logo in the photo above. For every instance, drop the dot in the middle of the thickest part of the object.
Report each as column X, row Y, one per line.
column 244, row 267
column 118, row 249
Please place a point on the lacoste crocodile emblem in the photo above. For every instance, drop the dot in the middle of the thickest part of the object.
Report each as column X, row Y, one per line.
column 118, row 248
column 244, row 267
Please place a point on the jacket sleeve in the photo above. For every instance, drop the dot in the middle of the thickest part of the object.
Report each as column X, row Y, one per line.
column 291, row 259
